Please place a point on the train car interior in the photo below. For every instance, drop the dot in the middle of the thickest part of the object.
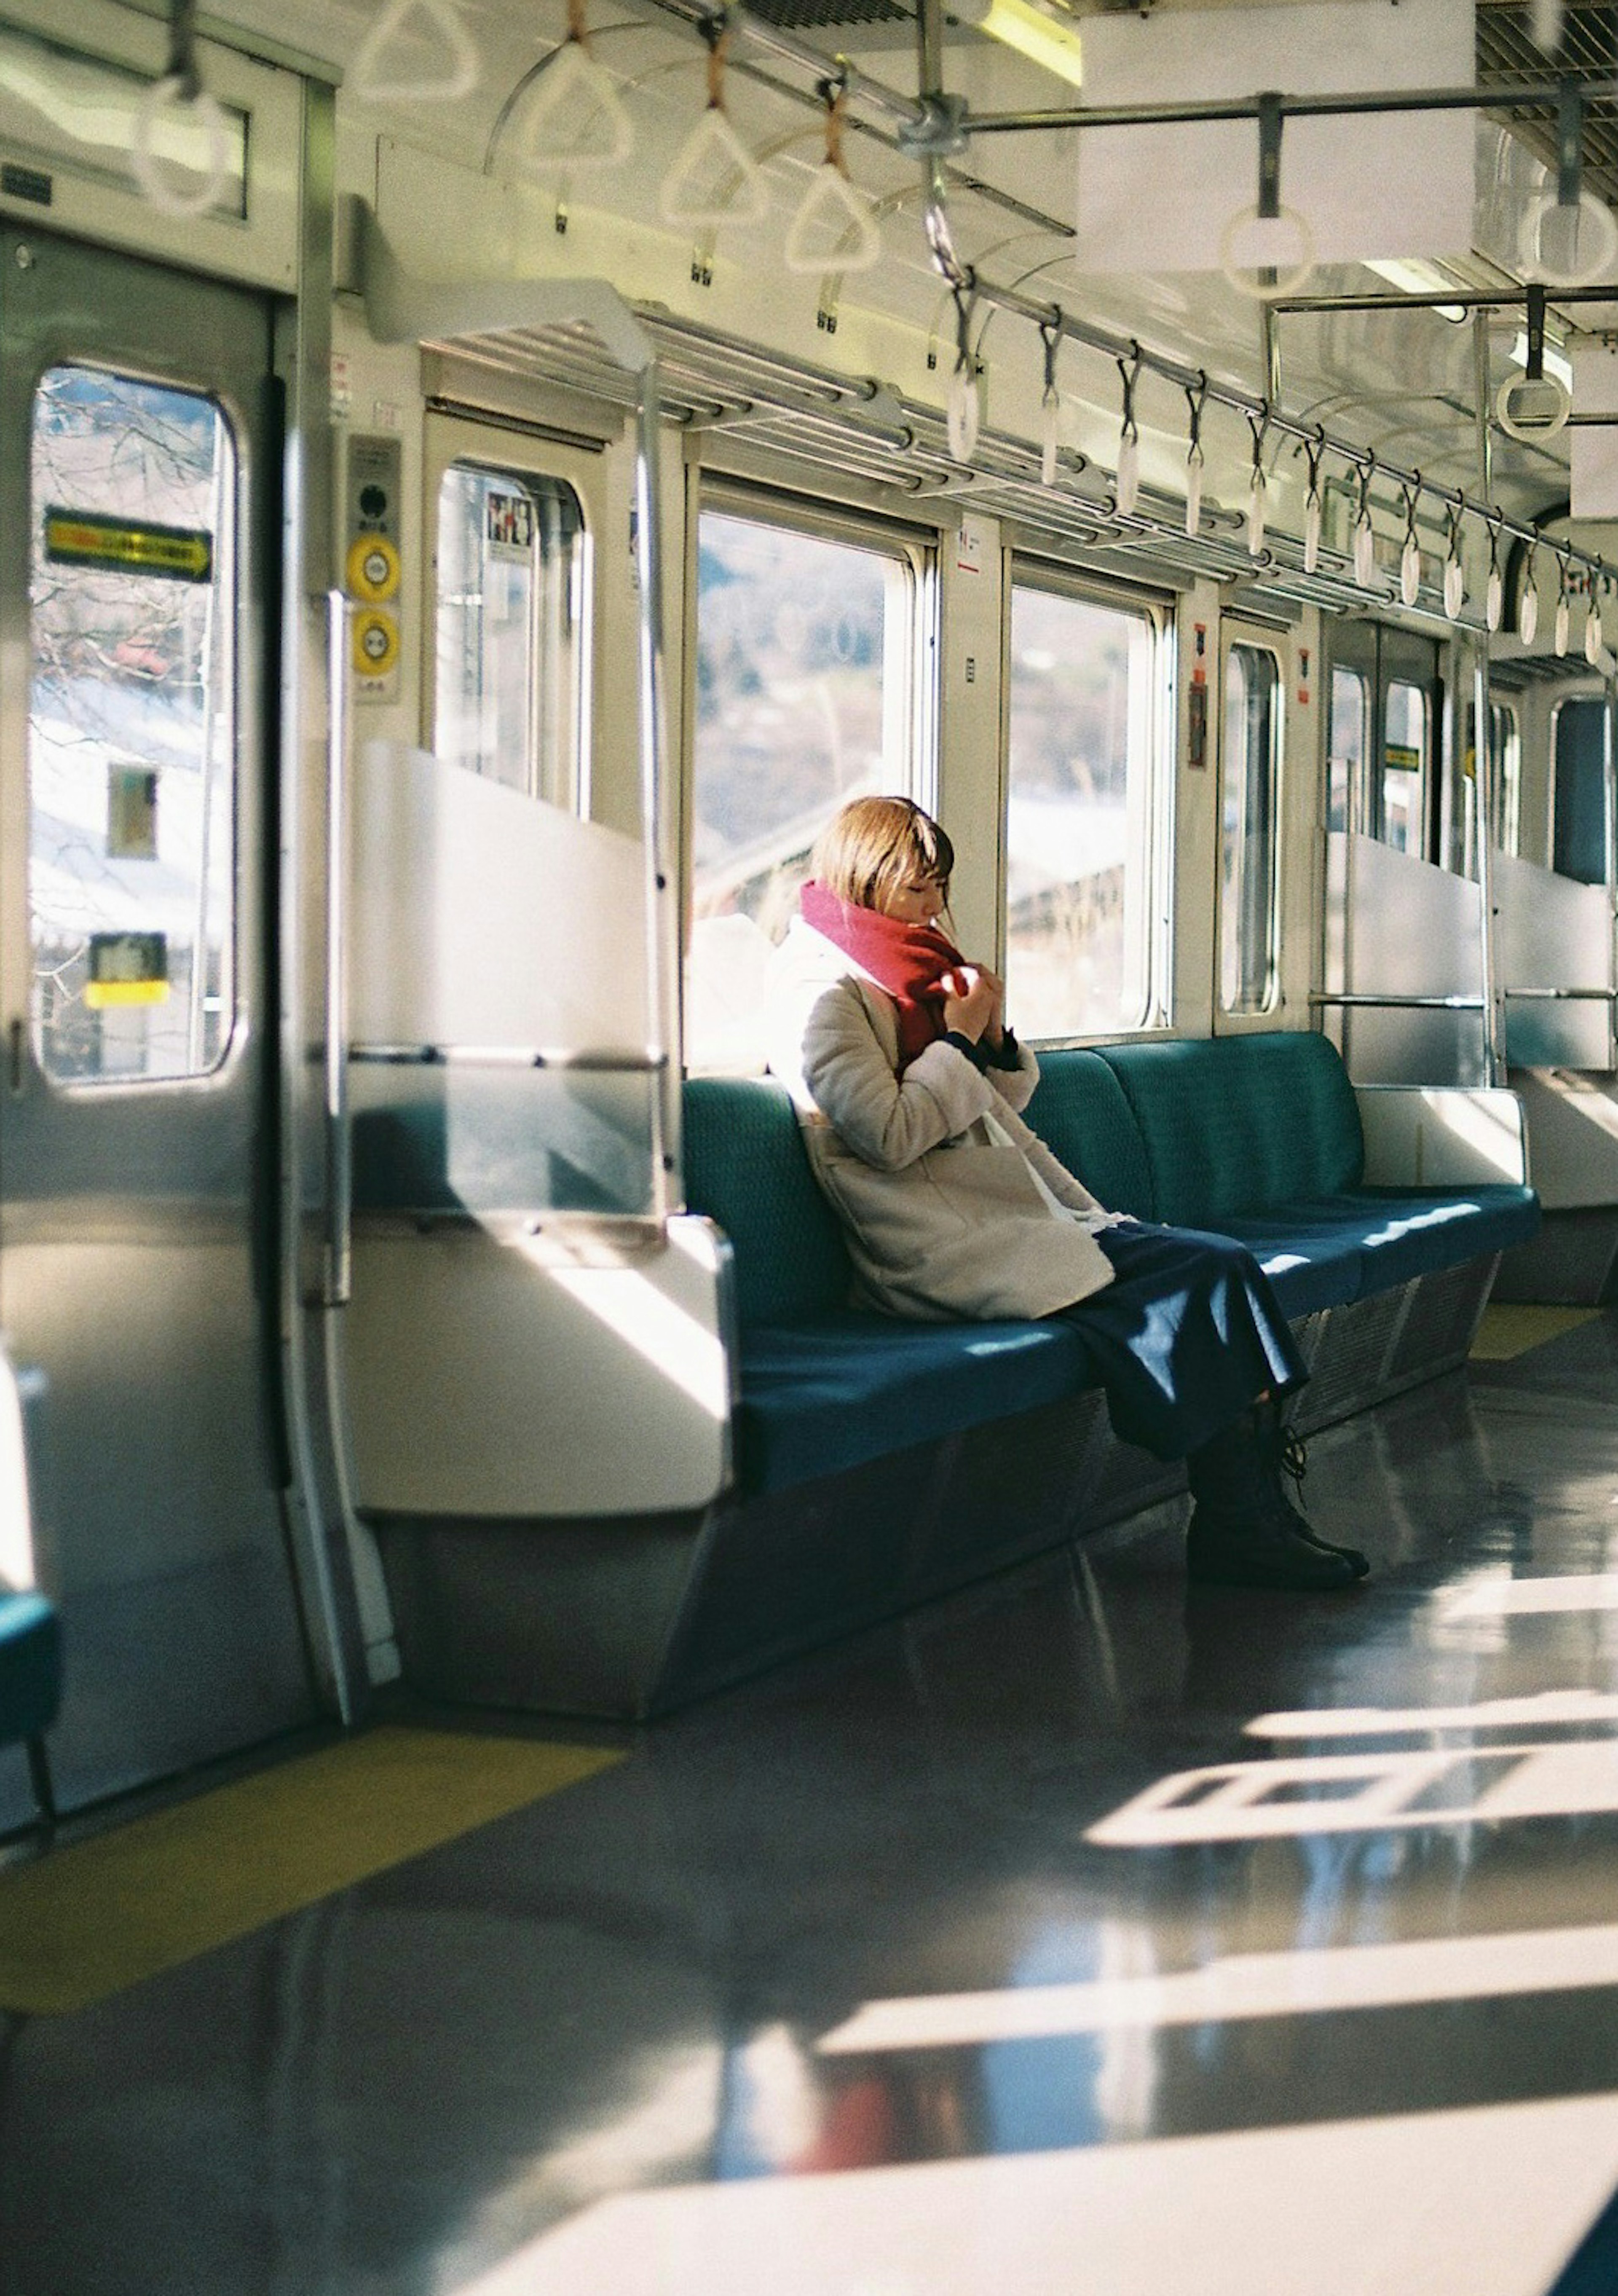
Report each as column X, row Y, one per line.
column 546, row 1746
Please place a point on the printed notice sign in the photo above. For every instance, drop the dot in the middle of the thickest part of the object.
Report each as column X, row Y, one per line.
column 180, row 553
column 509, row 524
column 128, row 968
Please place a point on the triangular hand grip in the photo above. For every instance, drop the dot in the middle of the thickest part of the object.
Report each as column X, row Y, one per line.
column 834, row 228
column 369, row 76
column 713, row 178
column 573, row 118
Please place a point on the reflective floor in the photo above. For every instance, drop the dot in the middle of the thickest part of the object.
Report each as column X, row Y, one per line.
column 1080, row 1934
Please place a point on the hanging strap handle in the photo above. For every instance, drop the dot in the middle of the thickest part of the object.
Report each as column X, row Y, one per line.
column 716, row 32
column 181, row 65
column 965, row 295
column 1129, row 374
column 1050, row 335
column 1258, row 425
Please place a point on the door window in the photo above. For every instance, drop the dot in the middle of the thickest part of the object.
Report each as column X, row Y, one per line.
column 1405, row 750
column 132, row 728
column 1578, row 792
column 510, row 690
column 1346, row 743
column 1252, row 762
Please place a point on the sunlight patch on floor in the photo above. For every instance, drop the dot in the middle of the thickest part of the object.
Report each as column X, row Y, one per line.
column 1488, row 2202
column 1507, row 1332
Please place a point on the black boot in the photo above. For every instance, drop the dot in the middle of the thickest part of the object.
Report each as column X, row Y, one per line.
column 1285, row 1457
column 1242, row 1532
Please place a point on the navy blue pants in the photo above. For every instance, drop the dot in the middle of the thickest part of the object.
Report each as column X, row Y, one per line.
column 1186, row 1336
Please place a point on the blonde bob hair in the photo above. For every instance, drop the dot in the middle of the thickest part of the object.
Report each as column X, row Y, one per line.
column 875, row 845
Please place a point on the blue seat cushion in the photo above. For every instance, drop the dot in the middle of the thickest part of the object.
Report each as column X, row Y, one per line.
column 1406, row 1232
column 1080, row 1112
column 1331, row 1249
column 832, row 1390
column 1311, row 1252
column 31, row 1666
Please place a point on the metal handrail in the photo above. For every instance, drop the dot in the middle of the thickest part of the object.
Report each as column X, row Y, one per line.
column 1568, row 996
column 337, row 1276
column 507, row 1057
column 1401, row 1004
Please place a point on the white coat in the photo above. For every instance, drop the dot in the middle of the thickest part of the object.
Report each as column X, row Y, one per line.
column 942, row 1217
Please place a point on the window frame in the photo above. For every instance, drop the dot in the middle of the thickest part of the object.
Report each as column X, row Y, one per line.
column 911, row 699
column 1152, row 814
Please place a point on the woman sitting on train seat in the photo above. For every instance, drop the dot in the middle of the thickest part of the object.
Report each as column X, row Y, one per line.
column 909, row 1085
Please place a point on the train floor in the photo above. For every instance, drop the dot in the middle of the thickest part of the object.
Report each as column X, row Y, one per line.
column 1077, row 1934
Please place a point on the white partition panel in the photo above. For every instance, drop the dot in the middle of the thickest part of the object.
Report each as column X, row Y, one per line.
column 1404, row 929
column 506, row 1377
column 482, row 916
column 1553, row 933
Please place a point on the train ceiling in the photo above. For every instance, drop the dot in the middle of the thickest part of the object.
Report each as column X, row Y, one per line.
column 1398, row 378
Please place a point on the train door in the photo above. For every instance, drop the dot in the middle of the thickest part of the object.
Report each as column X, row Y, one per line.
column 138, row 453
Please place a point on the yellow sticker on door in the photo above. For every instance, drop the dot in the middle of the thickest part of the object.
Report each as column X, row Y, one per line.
column 181, row 554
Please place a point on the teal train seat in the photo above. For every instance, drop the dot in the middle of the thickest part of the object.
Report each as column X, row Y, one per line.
column 31, row 1667
column 871, row 1464
column 1255, row 1136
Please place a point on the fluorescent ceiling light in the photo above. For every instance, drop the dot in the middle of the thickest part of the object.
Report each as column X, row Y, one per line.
column 1416, row 278
column 1043, row 37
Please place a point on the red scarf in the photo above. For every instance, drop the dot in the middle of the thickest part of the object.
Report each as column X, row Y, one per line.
column 908, row 961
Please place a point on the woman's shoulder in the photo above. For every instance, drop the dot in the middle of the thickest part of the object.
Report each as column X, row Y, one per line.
column 807, row 955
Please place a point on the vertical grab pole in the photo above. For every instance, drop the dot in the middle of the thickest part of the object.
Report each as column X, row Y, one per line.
column 337, row 1280
column 1610, row 821
column 1494, row 1050
column 660, row 942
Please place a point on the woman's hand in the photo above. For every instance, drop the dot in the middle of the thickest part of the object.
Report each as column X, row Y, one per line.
column 973, row 999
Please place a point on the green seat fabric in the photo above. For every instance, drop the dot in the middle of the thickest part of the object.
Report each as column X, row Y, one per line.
column 31, row 1666
column 746, row 1169
column 1079, row 1110
column 1235, row 1124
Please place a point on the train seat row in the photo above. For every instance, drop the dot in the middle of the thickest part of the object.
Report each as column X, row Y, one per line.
column 1256, row 1137
column 858, row 1465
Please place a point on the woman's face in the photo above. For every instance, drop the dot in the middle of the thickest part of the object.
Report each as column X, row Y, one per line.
column 915, row 900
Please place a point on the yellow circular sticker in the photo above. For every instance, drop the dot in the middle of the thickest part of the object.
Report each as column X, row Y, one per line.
column 372, row 570
column 376, row 643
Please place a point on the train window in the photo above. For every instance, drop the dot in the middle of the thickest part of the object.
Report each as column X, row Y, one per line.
column 807, row 695
column 1406, row 749
column 1251, row 770
column 1079, row 851
column 509, row 691
column 1579, row 790
column 132, row 728
column 1506, row 826
column 1347, row 741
